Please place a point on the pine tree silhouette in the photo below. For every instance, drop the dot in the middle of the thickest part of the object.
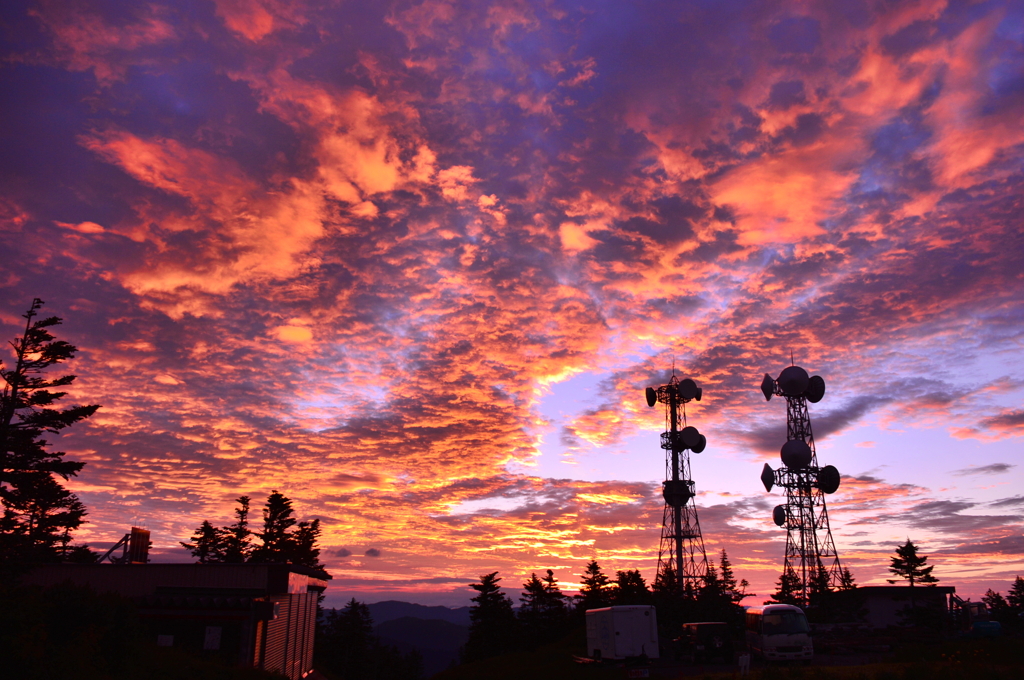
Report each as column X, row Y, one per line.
column 38, row 513
column 907, row 564
column 594, row 593
column 493, row 628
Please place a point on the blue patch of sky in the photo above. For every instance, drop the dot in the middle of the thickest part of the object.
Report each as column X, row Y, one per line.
column 925, row 457
column 332, row 410
column 1011, row 28
column 565, row 401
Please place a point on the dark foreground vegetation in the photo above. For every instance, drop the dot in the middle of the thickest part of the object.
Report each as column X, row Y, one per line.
column 348, row 649
column 964, row 659
column 71, row 633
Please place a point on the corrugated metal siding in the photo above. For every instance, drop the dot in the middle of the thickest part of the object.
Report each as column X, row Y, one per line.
column 290, row 636
column 294, row 617
column 257, row 645
column 300, row 657
column 277, row 637
column 294, row 605
column 309, row 632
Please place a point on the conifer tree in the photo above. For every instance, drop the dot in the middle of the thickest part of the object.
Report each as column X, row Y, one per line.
column 995, row 602
column 630, row 588
column 733, row 590
column 787, row 589
column 712, row 589
column 594, row 593
column 275, row 539
column 822, row 603
column 665, row 583
column 819, row 585
column 302, row 548
column 717, row 597
column 907, row 564
column 206, row 544
column 235, row 538
column 543, row 608
column 38, row 513
column 348, row 649
column 280, row 542
column 1015, row 598
column 532, row 599
column 846, row 580
column 492, row 629
column 354, row 626
column 39, row 516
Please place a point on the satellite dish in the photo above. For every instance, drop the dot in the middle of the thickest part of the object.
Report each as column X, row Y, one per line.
column 779, row 515
column 690, row 436
column 793, row 381
column 699, row 393
column 677, row 492
column 815, row 389
column 687, row 389
column 703, row 444
column 796, row 454
column 652, row 397
column 828, row 479
column 767, row 387
column 767, row 477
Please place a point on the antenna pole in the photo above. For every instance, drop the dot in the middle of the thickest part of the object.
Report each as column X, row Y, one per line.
column 682, row 562
column 810, row 551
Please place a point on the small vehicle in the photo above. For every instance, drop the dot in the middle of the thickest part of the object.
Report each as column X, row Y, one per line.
column 706, row 641
column 985, row 629
column 779, row 632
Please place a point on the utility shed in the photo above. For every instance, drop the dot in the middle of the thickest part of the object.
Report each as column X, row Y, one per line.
column 622, row 632
column 256, row 615
column 883, row 605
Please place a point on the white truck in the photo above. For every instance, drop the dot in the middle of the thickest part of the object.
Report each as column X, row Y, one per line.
column 622, row 632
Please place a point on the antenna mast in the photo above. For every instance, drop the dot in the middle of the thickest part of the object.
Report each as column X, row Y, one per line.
column 682, row 562
column 810, row 551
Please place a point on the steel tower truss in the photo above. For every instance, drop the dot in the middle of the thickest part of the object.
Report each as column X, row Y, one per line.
column 809, row 545
column 682, row 562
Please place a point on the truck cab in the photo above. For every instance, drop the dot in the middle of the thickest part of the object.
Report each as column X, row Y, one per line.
column 779, row 632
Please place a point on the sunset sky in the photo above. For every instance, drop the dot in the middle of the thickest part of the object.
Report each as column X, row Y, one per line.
column 413, row 264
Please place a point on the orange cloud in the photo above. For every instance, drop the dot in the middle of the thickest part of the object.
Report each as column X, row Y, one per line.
column 85, row 40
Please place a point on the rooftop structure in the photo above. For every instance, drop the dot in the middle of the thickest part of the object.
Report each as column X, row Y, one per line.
column 255, row 615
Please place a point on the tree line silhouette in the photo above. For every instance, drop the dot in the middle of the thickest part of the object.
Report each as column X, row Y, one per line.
column 545, row 612
column 1009, row 610
column 283, row 538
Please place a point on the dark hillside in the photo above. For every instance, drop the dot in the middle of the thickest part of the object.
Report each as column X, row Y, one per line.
column 438, row 642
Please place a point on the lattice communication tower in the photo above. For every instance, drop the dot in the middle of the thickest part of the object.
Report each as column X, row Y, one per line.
column 682, row 562
column 810, row 550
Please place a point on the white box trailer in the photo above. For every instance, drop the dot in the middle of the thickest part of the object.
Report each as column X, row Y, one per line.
column 621, row 632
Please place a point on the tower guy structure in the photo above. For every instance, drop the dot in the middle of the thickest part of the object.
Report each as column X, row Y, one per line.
column 810, row 551
column 682, row 562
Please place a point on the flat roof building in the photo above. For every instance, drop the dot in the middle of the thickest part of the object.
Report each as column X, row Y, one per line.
column 255, row 615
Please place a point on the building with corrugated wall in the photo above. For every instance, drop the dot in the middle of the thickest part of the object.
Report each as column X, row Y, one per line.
column 257, row 615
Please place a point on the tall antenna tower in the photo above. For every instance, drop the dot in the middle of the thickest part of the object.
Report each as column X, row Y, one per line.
column 810, row 550
column 682, row 562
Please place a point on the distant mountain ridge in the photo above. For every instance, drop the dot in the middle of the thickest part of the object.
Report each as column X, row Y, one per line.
column 389, row 610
